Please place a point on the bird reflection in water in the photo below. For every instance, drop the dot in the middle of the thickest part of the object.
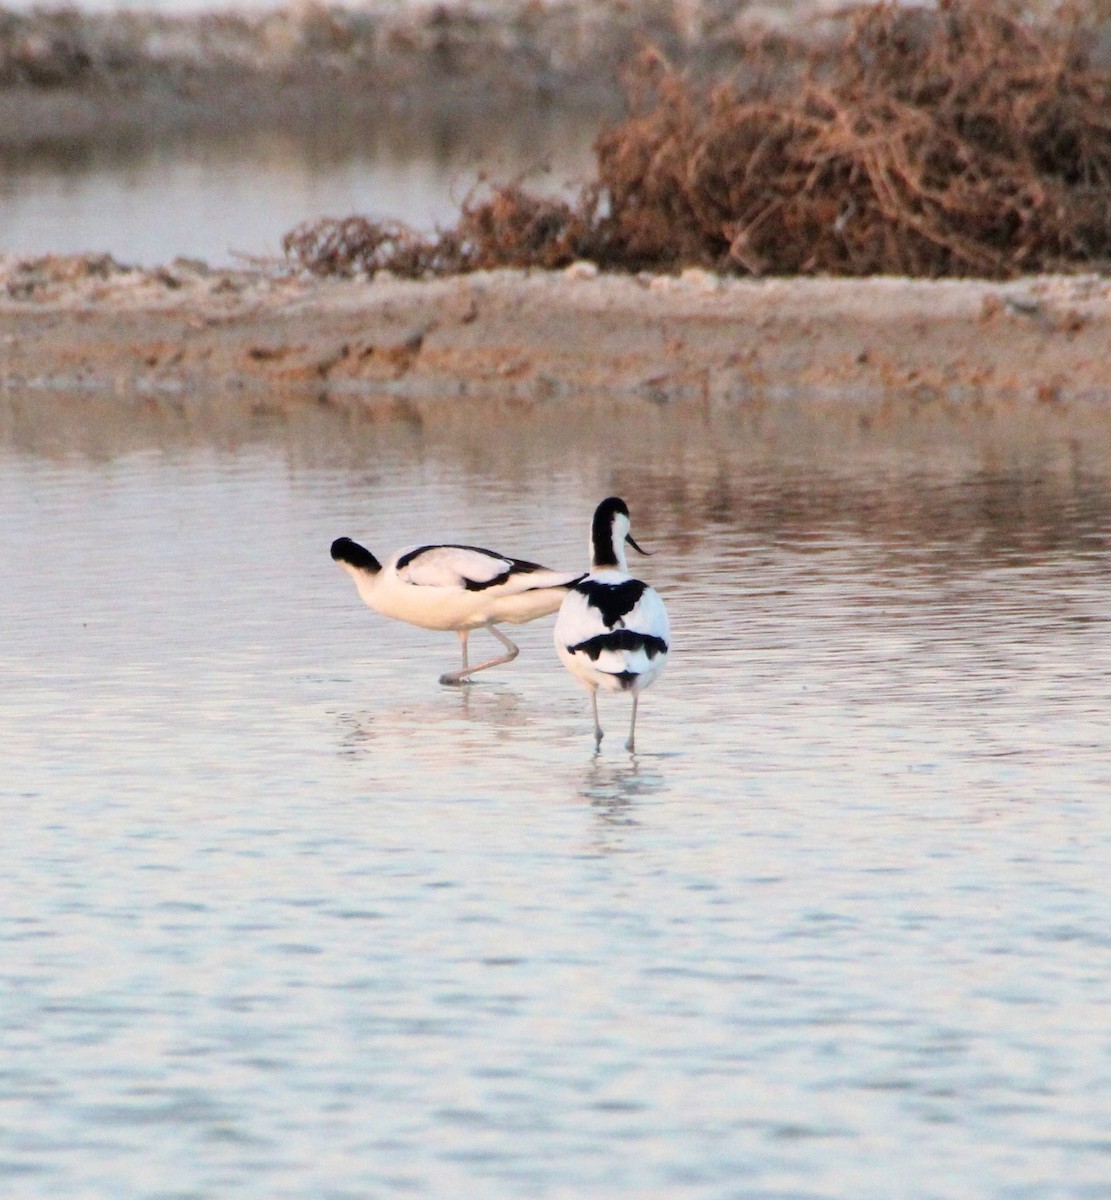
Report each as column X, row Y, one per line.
column 613, row 790
column 499, row 712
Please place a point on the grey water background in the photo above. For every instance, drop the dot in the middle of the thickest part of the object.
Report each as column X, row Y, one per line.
column 231, row 197
column 282, row 917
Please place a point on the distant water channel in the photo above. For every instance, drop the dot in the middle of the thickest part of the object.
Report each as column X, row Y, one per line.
column 282, row 917
column 221, row 199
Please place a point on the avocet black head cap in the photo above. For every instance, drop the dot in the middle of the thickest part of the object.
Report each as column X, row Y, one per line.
column 609, row 508
column 344, row 550
column 608, row 531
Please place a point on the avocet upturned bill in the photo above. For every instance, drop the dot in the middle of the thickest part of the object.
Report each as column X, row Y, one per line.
column 612, row 631
column 455, row 587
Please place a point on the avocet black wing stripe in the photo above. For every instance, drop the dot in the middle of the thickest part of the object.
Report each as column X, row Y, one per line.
column 510, row 566
column 410, row 555
column 620, row 639
column 479, row 585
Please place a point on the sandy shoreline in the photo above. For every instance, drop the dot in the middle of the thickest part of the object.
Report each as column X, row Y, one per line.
column 863, row 352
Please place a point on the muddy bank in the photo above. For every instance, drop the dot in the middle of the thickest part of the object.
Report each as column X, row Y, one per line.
column 861, row 354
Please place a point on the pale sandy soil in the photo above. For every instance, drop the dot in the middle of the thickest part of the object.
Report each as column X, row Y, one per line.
column 1032, row 354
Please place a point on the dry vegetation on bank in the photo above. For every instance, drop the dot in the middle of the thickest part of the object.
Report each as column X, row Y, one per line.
column 967, row 140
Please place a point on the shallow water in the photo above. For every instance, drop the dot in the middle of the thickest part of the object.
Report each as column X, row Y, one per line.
column 284, row 918
column 221, row 199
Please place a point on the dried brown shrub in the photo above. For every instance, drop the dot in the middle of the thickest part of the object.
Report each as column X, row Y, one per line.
column 968, row 139
column 346, row 245
column 509, row 227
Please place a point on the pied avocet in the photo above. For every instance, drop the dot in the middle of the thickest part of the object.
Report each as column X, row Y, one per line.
column 455, row 587
column 612, row 631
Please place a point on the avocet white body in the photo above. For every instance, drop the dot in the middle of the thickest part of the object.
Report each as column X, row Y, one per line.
column 458, row 588
column 612, row 632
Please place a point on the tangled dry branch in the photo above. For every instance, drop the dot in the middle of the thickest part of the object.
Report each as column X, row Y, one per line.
column 967, row 139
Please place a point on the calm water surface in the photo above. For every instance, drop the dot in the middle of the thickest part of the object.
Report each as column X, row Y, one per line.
column 282, row 917
column 220, row 199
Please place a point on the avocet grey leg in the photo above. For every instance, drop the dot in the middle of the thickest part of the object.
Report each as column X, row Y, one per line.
column 630, row 745
column 511, row 653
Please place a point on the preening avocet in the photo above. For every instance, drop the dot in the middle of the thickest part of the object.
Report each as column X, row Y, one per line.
column 455, row 587
column 612, row 631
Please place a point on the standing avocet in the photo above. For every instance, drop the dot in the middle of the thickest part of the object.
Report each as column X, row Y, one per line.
column 612, row 630
column 455, row 587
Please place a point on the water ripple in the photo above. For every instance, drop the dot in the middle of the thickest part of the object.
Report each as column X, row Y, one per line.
column 286, row 919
